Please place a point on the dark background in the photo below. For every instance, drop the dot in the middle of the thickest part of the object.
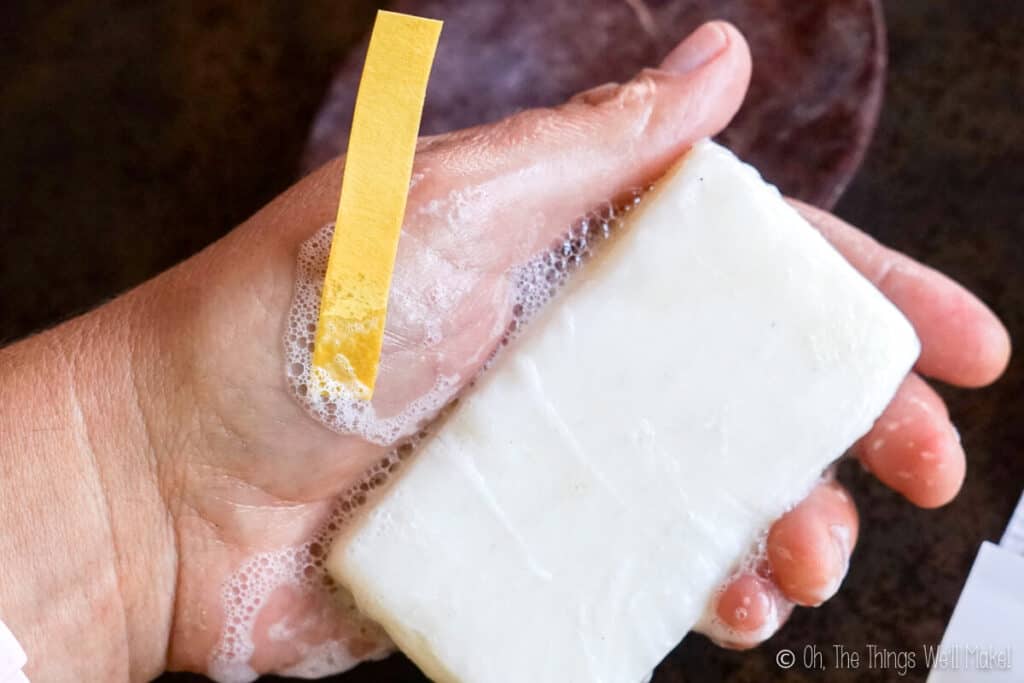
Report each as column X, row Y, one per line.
column 135, row 133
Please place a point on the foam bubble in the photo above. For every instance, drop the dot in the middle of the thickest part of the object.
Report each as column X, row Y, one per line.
column 536, row 282
column 335, row 405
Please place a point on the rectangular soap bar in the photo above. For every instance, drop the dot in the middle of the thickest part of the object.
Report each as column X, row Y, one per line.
column 571, row 519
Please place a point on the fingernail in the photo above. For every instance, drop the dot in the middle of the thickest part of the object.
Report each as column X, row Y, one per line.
column 702, row 46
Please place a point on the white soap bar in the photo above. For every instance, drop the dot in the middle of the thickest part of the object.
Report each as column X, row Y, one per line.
column 571, row 520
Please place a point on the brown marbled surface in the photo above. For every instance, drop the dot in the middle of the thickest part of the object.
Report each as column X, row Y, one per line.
column 135, row 133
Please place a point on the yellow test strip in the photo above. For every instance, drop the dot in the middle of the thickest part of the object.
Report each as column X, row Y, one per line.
column 378, row 168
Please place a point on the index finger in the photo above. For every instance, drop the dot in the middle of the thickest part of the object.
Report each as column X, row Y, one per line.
column 962, row 341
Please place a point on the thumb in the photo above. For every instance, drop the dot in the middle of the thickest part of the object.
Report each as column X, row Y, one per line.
column 566, row 160
column 484, row 200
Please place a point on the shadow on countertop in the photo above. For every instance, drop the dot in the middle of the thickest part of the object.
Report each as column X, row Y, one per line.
column 136, row 133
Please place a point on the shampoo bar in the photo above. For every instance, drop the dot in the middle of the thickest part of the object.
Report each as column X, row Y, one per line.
column 572, row 518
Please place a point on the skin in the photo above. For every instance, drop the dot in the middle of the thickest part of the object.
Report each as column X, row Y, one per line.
column 162, row 426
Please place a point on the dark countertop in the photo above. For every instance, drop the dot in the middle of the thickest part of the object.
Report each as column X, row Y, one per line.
column 136, row 133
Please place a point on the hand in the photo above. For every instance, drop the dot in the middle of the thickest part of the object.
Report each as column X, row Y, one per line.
column 247, row 478
column 486, row 200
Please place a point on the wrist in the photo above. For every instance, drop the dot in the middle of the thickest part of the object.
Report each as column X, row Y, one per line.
column 89, row 585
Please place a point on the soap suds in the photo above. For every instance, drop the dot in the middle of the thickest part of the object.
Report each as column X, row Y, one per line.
column 302, row 568
column 536, row 282
column 331, row 402
column 321, row 660
column 533, row 285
